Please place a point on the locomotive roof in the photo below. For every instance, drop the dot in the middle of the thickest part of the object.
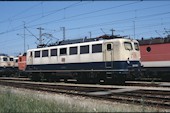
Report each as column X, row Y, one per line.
column 157, row 40
column 81, row 40
column 78, row 42
column 2, row 54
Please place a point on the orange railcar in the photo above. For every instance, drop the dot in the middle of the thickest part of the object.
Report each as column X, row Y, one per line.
column 22, row 62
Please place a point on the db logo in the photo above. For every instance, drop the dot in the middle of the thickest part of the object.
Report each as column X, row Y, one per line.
column 134, row 55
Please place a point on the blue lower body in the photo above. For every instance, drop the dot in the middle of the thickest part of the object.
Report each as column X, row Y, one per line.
column 7, row 71
column 90, row 66
column 113, row 72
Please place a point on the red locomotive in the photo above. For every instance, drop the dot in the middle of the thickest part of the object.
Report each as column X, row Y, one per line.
column 155, row 57
column 22, row 62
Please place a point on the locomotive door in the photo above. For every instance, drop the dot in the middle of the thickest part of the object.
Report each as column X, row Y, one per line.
column 108, row 53
column 30, row 58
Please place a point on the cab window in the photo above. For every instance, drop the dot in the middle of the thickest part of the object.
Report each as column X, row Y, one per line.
column 5, row 59
column 109, row 47
column 136, row 46
column 11, row 59
column 16, row 60
column 128, row 46
column 31, row 54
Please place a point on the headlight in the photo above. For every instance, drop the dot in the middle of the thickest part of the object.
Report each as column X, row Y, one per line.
column 128, row 61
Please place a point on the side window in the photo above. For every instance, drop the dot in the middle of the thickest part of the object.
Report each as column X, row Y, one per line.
column 37, row 54
column 63, row 51
column 96, row 48
column 73, row 50
column 84, row 49
column 148, row 49
column 128, row 46
column 109, row 47
column 44, row 53
column 5, row 59
column 16, row 60
column 11, row 59
column 136, row 46
column 53, row 52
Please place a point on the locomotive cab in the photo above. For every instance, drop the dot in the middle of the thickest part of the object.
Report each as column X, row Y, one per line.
column 7, row 65
column 22, row 62
column 3, row 61
column 133, row 59
column 124, row 51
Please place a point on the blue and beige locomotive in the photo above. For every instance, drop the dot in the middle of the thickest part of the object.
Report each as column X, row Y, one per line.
column 101, row 59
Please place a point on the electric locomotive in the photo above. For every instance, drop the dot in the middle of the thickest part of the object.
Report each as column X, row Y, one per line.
column 105, row 59
column 155, row 58
column 7, row 65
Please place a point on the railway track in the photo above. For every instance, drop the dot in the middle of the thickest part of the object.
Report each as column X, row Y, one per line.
column 147, row 96
column 148, row 84
column 127, row 83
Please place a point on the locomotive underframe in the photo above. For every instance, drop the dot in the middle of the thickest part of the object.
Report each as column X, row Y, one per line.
column 99, row 77
column 156, row 73
column 8, row 71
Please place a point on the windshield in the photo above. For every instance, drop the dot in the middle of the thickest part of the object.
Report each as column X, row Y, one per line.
column 128, row 46
column 5, row 59
column 136, row 46
column 11, row 59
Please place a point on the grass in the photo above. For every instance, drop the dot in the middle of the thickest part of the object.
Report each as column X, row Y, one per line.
column 27, row 102
column 18, row 103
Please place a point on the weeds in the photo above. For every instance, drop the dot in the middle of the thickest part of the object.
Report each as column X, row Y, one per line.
column 27, row 102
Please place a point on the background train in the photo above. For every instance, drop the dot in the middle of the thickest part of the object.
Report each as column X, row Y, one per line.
column 108, row 59
column 8, row 65
column 155, row 58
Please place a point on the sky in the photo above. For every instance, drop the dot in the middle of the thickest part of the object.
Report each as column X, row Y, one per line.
column 134, row 19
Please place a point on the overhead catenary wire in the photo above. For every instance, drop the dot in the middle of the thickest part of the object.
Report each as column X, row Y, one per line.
column 105, row 23
column 46, row 14
column 18, row 27
column 82, row 14
column 61, row 19
column 115, row 21
column 18, row 14
column 64, row 19
column 73, row 16
column 139, row 26
column 99, row 25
